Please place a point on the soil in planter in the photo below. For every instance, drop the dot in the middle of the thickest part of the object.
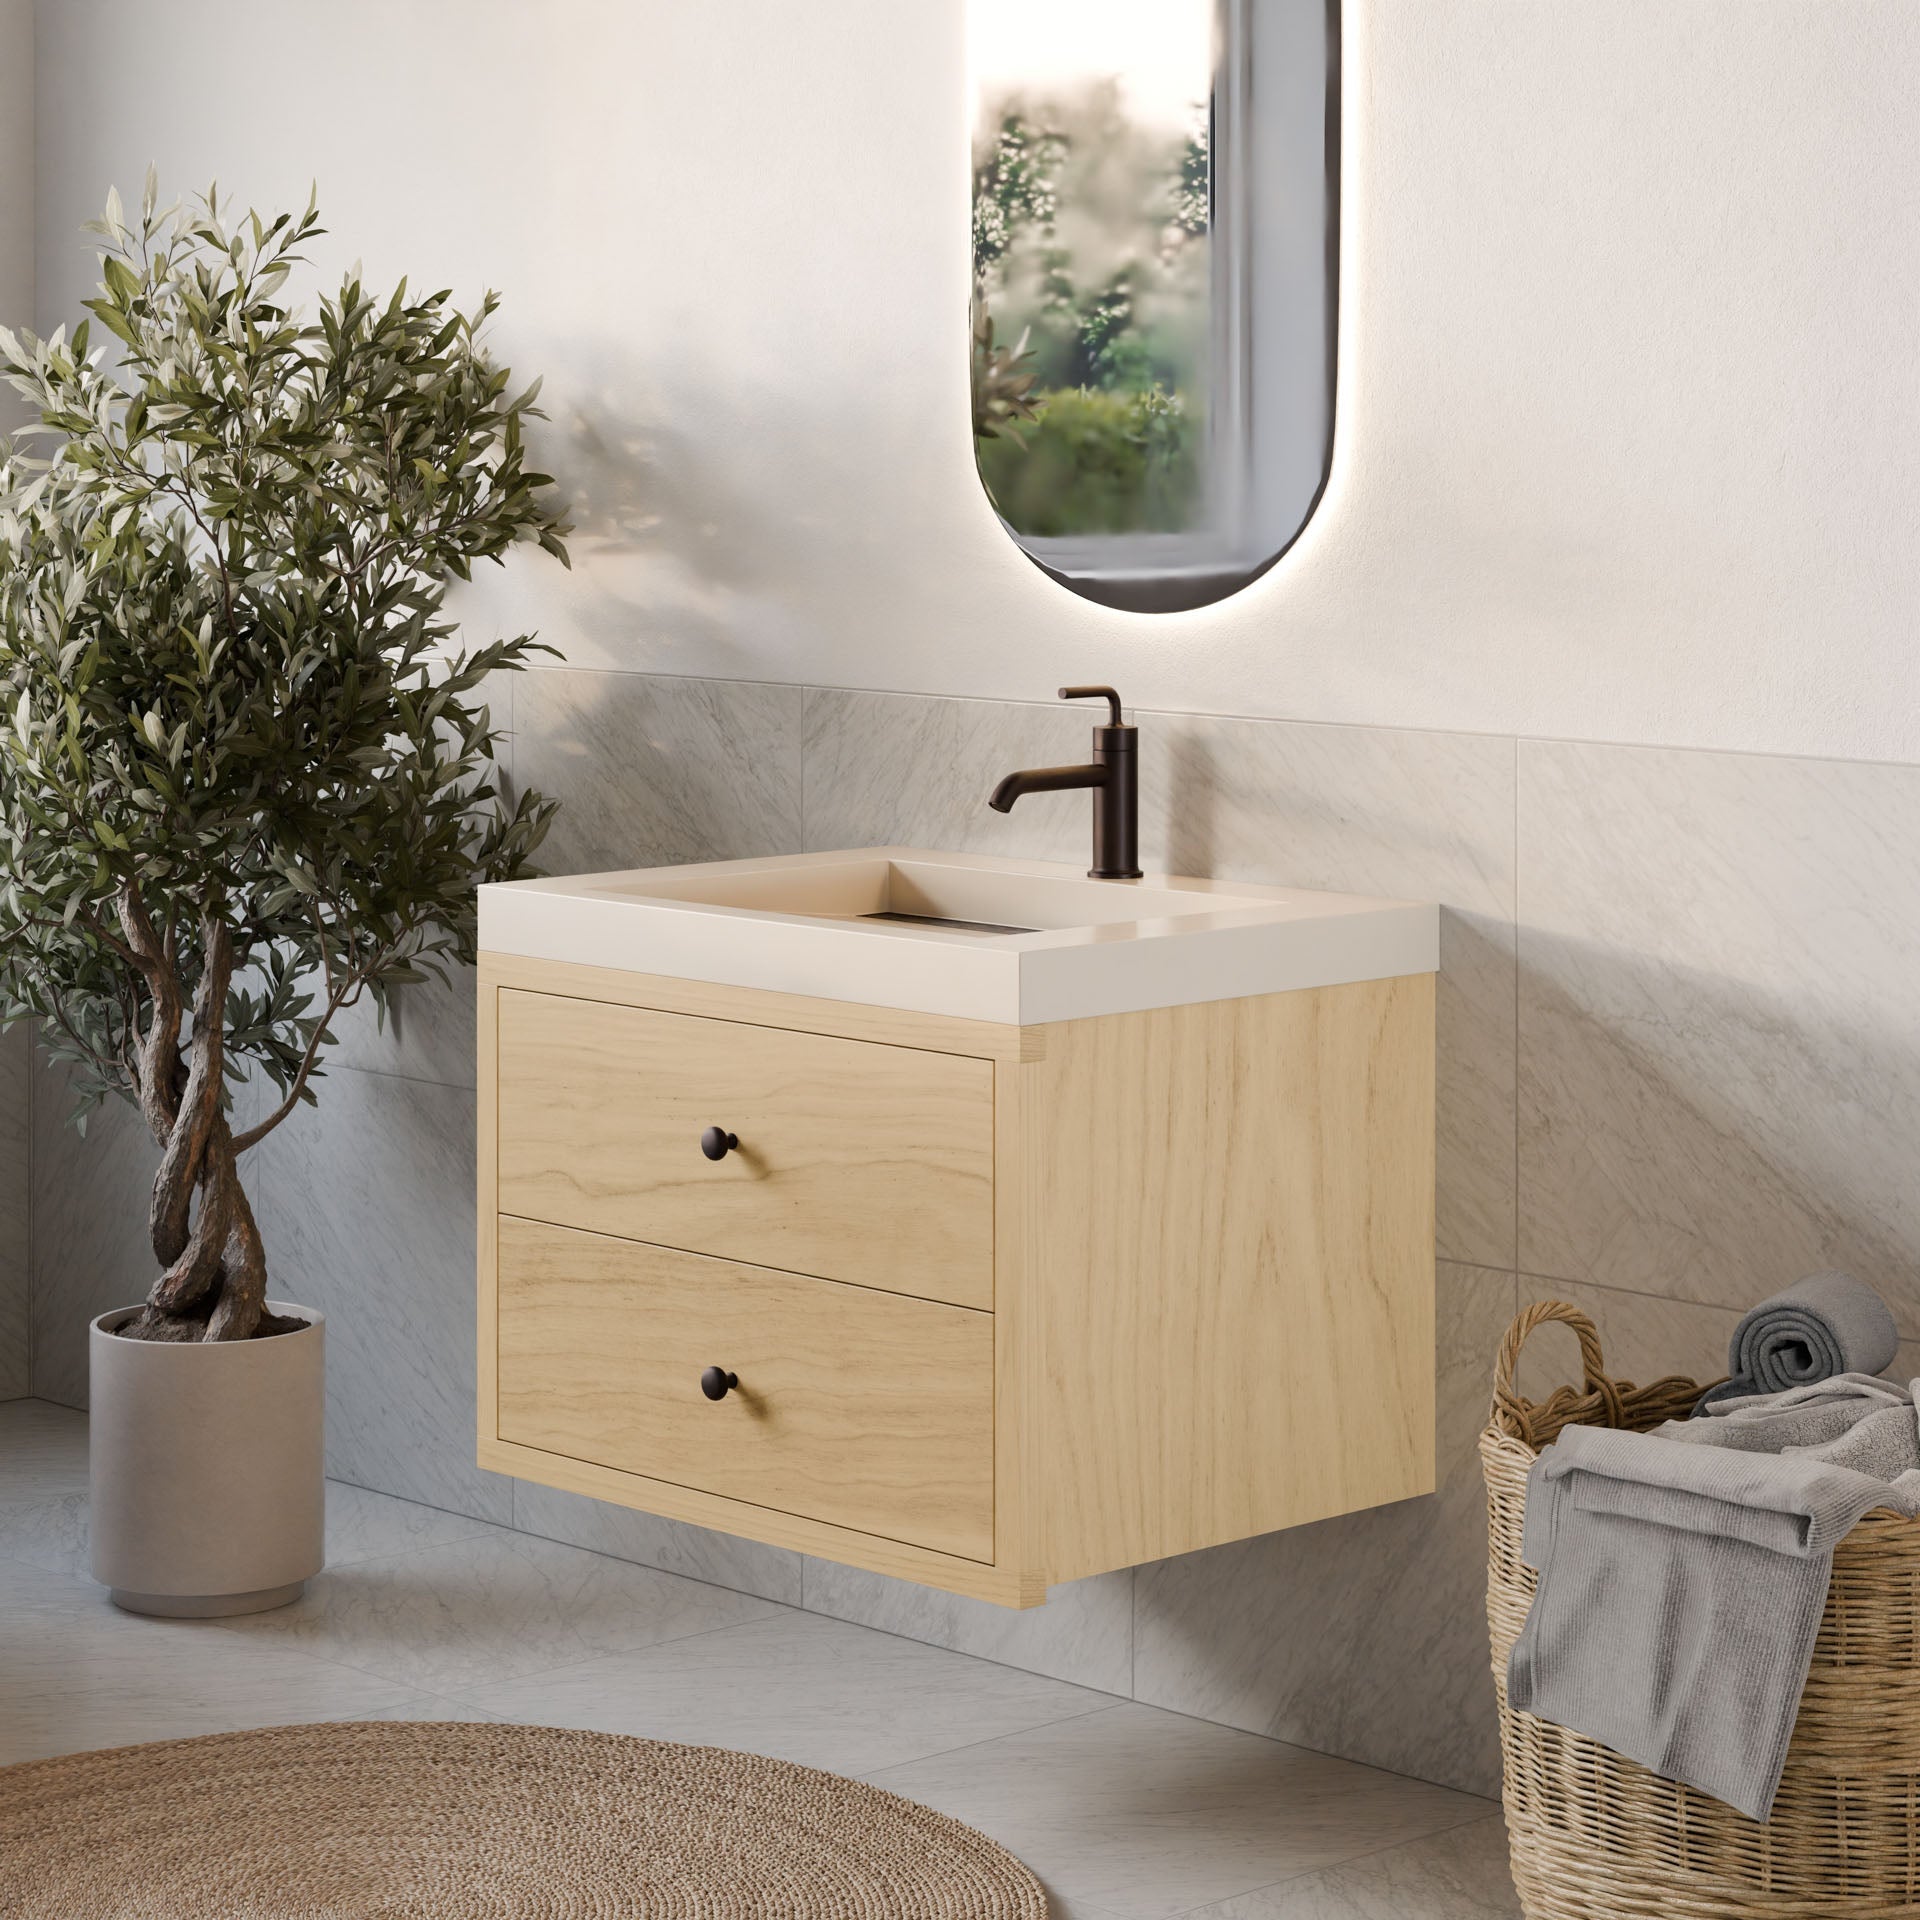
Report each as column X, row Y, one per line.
column 163, row 1329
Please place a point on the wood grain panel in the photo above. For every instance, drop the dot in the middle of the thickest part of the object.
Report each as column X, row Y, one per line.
column 857, row 1161
column 1236, row 1240
column 862, row 1409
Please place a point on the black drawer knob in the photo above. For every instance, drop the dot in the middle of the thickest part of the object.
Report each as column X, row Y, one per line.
column 716, row 1143
column 716, row 1382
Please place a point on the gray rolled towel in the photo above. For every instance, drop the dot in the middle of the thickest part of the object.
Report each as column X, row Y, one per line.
column 1826, row 1324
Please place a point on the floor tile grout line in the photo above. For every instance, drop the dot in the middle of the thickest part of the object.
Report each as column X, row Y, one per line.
column 454, row 1694
column 873, row 1774
column 1319, row 1753
column 1350, row 1860
column 429, row 1506
column 961, row 1653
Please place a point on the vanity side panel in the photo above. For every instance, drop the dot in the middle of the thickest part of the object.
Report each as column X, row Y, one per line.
column 1019, row 1332
column 487, row 1196
column 1234, row 1221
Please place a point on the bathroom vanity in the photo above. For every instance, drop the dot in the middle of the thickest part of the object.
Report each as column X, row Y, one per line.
column 967, row 1220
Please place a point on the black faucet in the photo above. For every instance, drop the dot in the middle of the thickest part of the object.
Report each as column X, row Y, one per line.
column 1114, row 776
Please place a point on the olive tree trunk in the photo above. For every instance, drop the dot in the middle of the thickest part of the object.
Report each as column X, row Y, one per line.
column 213, row 1278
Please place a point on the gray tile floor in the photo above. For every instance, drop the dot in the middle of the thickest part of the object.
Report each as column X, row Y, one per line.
column 1125, row 1811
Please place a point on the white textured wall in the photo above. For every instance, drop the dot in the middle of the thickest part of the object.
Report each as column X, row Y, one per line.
column 1629, row 407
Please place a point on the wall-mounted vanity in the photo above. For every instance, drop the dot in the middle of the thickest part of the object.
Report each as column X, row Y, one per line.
column 968, row 1220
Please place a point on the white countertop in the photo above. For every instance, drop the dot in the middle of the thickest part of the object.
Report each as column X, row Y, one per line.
column 1058, row 945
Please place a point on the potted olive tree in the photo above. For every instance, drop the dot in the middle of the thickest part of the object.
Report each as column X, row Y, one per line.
column 246, row 782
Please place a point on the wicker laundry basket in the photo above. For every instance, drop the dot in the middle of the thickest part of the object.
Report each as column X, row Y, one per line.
column 1595, row 1837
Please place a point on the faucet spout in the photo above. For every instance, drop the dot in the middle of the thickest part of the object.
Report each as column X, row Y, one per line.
column 1045, row 780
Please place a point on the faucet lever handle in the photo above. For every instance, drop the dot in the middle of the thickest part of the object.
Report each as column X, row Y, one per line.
column 1097, row 693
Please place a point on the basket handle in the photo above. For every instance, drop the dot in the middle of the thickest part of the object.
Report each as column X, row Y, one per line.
column 1509, row 1410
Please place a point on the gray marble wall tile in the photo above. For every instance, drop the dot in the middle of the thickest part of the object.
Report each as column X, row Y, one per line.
column 1642, row 1338
column 651, row 771
column 90, row 1246
column 16, row 1067
column 1084, row 1633
column 897, row 769
column 1720, row 1041
column 747, row 1566
column 1419, row 816
column 428, row 1033
column 1366, row 1635
column 368, row 1210
column 428, row 1029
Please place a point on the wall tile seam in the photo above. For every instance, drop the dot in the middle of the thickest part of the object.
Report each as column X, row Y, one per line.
column 1636, row 1293
column 1498, row 1271
column 33, row 1212
column 1519, row 999
column 1520, row 740
column 375, row 1073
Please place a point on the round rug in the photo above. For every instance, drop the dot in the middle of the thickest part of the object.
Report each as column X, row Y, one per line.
column 378, row 1820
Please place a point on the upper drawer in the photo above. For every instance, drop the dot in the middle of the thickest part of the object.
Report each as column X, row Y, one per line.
column 857, row 1162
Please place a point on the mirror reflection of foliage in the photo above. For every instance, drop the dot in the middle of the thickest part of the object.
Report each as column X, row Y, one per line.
column 1002, row 381
column 1193, row 187
column 1090, row 248
column 1097, row 462
column 1015, row 186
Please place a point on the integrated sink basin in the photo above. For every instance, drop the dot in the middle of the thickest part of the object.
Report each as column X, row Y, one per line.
column 1018, row 942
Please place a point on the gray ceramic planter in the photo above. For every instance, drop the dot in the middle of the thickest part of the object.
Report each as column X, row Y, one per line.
column 207, row 1468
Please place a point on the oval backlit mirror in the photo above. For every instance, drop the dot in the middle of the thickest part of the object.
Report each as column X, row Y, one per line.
column 1154, row 272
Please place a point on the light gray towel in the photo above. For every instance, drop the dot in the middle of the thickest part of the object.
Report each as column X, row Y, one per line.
column 1680, row 1593
column 1826, row 1324
column 1852, row 1420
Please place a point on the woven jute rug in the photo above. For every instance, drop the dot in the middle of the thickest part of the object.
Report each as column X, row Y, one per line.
column 396, row 1820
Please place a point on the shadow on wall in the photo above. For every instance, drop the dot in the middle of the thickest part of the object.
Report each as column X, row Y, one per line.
column 694, row 515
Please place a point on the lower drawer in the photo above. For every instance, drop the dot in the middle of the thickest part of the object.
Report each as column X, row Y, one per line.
column 865, row 1409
